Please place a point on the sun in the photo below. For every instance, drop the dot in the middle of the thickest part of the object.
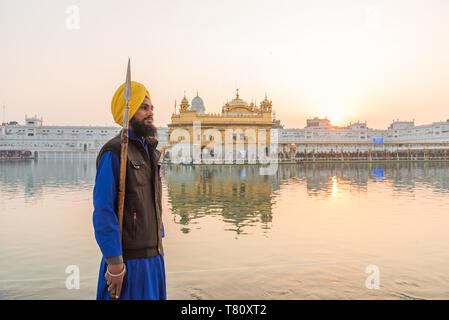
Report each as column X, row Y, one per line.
column 336, row 115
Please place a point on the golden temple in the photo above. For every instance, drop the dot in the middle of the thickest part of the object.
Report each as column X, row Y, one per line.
column 231, row 126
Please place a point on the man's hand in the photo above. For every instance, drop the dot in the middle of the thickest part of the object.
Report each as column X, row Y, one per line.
column 115, row 283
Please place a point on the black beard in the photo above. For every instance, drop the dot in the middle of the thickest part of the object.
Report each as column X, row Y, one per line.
column 143, row 130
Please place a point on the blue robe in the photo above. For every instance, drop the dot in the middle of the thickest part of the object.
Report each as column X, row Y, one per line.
column 145, row 278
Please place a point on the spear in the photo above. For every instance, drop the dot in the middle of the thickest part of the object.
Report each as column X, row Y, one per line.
column 123, row 154
column 124, row 149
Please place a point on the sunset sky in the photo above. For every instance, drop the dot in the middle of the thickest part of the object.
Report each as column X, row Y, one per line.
column 348, row 60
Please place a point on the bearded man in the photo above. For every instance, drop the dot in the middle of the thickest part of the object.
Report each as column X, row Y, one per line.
column 132, row 266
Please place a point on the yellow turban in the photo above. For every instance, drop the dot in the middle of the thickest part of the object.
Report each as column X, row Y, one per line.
column 138, row 93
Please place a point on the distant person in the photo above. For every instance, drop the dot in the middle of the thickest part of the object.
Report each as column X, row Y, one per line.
column 133, row 266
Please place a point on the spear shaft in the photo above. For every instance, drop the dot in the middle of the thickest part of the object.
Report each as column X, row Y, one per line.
column 124, row 149
column 123, row 155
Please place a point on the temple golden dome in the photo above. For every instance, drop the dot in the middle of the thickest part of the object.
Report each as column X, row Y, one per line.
column 237, row 105
column 237, row 101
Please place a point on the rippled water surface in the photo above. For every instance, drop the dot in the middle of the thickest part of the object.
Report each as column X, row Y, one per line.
column 308, row 232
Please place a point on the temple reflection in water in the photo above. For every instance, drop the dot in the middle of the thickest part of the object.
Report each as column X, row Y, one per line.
column 242, row 198
column 238, row 194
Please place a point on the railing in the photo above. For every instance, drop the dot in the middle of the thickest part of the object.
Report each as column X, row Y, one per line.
column 412, row 155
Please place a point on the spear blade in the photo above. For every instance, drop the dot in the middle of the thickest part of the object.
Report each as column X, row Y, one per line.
column 127, row 95
column 128, row 82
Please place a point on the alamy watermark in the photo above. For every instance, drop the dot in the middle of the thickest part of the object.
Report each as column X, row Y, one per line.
column 373, row 280
column 372, row 17
column 73, row 280
column 72, row 21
